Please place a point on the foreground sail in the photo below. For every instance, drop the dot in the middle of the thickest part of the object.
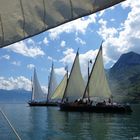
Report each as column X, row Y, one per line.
column 37, row 93
column 20, row 19
column 59, row 92
column 97, row 86
column 75, row 85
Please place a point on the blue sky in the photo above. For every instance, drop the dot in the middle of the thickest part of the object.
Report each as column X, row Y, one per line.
column 118, row 26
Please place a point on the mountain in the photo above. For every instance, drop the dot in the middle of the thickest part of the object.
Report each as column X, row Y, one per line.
column 14, row 96
column 124, row 78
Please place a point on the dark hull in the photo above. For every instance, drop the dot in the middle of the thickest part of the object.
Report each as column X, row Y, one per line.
column 96, row 108
column 42, row 104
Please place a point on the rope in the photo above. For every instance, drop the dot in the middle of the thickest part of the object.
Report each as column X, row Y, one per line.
column 10, row 124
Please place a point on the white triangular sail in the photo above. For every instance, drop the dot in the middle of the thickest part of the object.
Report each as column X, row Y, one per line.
column 37, row 93
column 97, row 84
column 75, row 85
column 20, row 19
column 52, row 84
column 59, row 92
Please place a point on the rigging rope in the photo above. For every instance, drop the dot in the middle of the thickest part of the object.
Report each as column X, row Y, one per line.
column 10, row 124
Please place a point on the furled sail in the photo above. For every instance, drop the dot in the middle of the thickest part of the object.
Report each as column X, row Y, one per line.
column 52, row 84
column 97, row 85
column 20, row 19
column 75, row 85
column 37, row 93
column 59, row 92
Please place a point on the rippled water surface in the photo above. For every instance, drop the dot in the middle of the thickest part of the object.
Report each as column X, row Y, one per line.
column 48, row 123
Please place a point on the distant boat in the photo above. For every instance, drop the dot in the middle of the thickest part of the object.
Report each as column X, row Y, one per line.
column 97, row 88
column 38, row 97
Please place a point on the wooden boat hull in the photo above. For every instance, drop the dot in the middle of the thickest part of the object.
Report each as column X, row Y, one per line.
column 42, row 104
column 96, row 108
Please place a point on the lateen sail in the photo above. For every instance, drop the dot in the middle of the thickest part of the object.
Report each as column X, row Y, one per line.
column 20, row 19
column 59, row 92
column 97, row 84
column 75, row 85
column 52, row 84
column 37, row 93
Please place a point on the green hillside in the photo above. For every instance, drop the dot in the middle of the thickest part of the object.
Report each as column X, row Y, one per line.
column 124, row 78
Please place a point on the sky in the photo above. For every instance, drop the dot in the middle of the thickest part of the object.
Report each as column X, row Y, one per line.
column 118, row 27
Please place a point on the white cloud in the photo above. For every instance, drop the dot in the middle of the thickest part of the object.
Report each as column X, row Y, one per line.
column 51, row 59
column 80, row 41
column 30, row 41
column 106, row 32
column 20, row 82
column 22, row 48
column 101, row 13
column 30, row 66
column 11, row 83
column 45, row 41
column 7, row 57
column 77, row 26
column 124, row 39
column 44, row 89
column 60, row 71
column 69, row 56
column 84, row 58
column 63, row 43
column 17, row 63
column 112, row 19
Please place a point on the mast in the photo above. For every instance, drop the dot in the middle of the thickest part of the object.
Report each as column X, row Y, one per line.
column 31, row 88
column 70, row 75
column 49, row 83
column 48, row 88
column 89, row 77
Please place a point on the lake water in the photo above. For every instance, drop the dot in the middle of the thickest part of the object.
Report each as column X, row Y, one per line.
column 48, row 123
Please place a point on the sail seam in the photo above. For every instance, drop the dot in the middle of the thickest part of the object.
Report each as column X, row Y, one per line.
column 23, row 16
column 44, row 16
column 1, row 24
column 71, row 6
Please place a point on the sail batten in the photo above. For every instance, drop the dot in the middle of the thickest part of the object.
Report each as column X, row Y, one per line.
column 75, row 85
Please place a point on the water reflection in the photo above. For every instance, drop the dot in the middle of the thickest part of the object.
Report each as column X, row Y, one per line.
column 48, row 123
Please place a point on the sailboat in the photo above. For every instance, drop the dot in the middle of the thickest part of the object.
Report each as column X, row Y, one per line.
column 97, row 87
column 75, row 83
column 37, row 98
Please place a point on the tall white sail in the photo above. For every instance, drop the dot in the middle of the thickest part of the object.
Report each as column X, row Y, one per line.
column 59, row 92
column 20, row 19
column 75, row 85
column 97, row 84
column 37, row 93
column 52, row 84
